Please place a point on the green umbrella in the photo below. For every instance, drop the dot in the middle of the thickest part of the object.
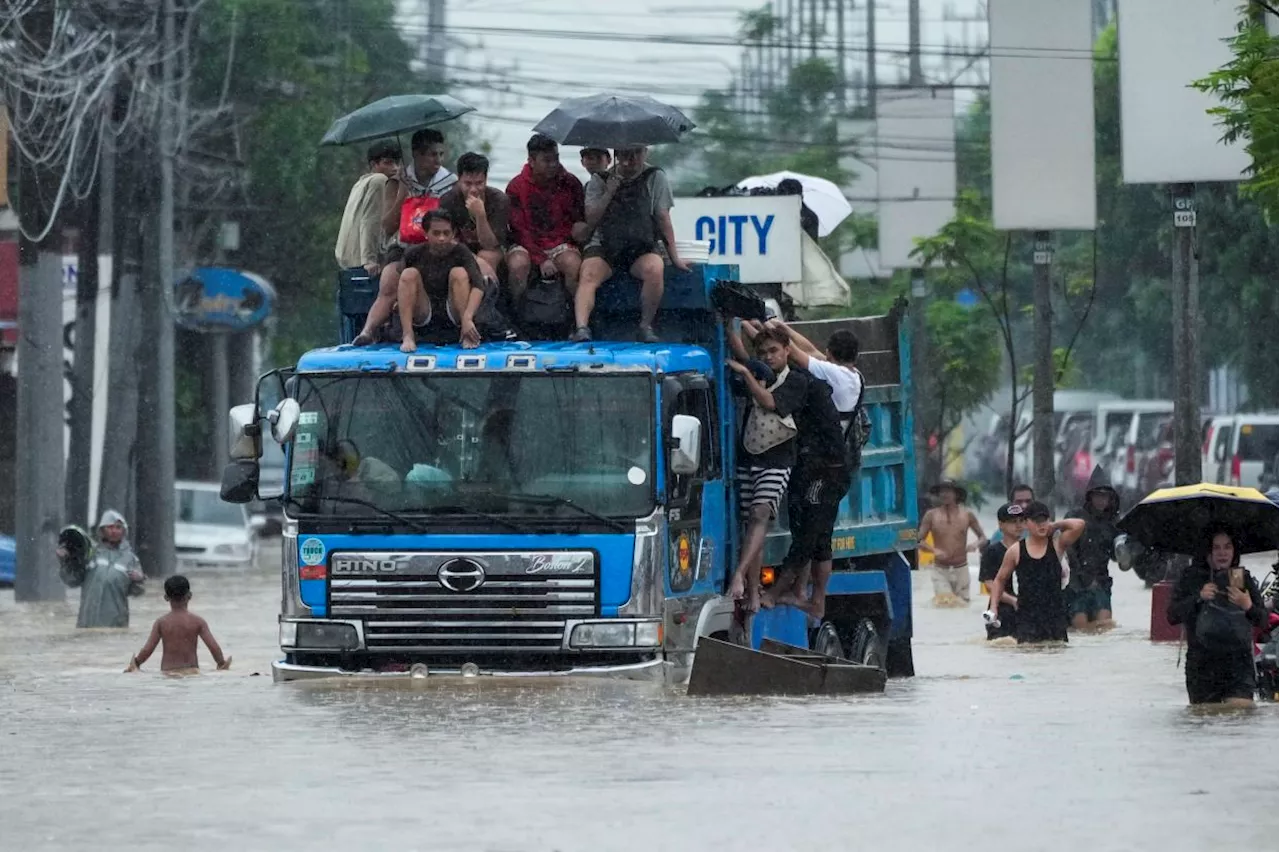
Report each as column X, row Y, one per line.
column 396, row 114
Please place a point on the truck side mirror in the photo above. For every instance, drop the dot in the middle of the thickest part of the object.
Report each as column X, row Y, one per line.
column 246, row 434
column 240, row 481
column 686, row 445
column 284, row 420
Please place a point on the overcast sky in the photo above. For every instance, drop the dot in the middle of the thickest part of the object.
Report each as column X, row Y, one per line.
column 498, row 63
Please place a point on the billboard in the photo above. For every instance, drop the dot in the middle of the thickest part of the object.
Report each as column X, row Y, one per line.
column 760, row 233
column 1167, row 135
column 1042, row 135
column 915, row 158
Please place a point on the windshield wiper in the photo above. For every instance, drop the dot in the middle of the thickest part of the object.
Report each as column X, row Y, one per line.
column 356, row 501
column 468, row 510
column 556, row 500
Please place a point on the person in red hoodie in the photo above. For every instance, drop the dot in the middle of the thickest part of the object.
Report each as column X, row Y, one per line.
column 546, row 201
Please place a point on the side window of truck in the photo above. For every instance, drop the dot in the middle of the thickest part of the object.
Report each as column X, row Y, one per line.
column 697, row 402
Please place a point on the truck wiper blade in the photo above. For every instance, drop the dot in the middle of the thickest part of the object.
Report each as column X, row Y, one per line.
column 356, row 501
column 476, row 513
column 556, row 500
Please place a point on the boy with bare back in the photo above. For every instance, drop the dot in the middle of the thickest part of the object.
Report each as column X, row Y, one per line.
column 950, row 523
column 178, row 631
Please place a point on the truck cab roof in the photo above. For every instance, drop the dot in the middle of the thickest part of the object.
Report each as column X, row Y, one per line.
column 603, row 356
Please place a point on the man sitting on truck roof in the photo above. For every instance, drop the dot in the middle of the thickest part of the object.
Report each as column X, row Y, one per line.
column 440, row 292
column 480, row 213
column 628, row 214
column 546, row 201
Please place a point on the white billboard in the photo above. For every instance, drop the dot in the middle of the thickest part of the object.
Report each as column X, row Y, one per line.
column 1167, row 135
column 760, row 233
column 1042, row 137
column 915, row 158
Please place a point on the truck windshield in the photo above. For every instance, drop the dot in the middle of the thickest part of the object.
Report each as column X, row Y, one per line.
column 452, row 444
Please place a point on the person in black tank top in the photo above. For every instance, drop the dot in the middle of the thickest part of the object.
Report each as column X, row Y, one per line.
column 1037, row 560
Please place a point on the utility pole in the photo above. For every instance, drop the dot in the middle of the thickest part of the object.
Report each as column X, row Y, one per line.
column 842, row 75
column 915, row 73
column 871, row 59
column 1042, row 380
column 920, row 354
column 155, row 469
column 437, row 46
column 1186, row 337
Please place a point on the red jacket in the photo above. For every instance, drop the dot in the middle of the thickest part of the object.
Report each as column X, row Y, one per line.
column 542, row 217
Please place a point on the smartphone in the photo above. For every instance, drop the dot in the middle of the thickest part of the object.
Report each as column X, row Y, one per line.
column 1237, row 578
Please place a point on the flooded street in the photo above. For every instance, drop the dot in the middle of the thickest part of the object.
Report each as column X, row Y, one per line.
column 1088, row 746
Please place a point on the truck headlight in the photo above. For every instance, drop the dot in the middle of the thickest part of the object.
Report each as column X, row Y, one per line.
column 617, row 634
column 320, row 636
column 288, row 634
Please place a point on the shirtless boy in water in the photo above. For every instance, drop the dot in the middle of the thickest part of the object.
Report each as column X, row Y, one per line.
column 178, row 631
column 950, row 523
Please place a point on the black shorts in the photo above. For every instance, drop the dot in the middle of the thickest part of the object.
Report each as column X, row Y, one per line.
column 812, row 506
column 1008, row 623
column 394, row 254
column 1213, row 678
column 1050, row 628
column 621, row 260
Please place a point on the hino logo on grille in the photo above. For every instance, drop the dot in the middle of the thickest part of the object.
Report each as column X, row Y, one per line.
column 461, row 575
column 363, row 565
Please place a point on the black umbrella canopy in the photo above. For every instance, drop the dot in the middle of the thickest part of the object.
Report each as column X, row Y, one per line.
column 392, row 115
column 1178, row 520
column 614, row 121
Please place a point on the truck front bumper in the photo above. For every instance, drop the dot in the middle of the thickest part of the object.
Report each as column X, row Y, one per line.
column 654, row 671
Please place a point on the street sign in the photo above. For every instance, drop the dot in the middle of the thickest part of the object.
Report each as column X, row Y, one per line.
column 760, row 233
column 214, row 298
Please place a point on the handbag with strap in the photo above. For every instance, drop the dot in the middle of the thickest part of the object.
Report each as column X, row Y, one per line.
column 767, row 429
column 1223, row 627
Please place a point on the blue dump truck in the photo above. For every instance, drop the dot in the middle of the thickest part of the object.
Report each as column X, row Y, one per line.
column 553, row 508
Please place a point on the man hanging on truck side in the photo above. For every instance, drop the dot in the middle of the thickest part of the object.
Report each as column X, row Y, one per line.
column 825, row 469
column 766, row 452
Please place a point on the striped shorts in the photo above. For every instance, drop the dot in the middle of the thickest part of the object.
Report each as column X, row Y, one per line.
column 761, row 486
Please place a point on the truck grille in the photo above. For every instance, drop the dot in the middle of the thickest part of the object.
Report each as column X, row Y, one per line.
column 406, row 607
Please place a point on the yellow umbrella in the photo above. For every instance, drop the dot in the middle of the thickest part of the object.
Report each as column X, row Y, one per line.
column 1178, row 519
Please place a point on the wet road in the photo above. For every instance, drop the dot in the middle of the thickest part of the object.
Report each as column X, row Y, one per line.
column 1085, row 747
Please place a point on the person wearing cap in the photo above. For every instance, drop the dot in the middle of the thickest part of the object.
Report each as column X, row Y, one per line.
column 1036, row 561
column 1023, row 495
column 1089, row 590
column 361, row 236
column 1011, row 519
column 628, row 216
column 949, row 523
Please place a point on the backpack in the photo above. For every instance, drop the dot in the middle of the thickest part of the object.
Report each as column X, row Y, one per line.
column 857, row 430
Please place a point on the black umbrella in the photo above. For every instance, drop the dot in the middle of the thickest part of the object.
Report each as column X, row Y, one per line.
column 614, row 121
column 1178, row 519
column 396, row 114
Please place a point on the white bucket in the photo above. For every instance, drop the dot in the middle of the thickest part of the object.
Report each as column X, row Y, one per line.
column 694, row 251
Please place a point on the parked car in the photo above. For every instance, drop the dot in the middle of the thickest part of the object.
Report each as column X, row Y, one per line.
column 8, row 560
column 1131, row 429
column 1075, row 462
column 1238, row 449
column 1069, row 408
column 208, row 533
column 1157, row 464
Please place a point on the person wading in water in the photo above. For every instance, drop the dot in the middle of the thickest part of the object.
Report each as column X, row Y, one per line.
column 1037, row 559
column 950, row 524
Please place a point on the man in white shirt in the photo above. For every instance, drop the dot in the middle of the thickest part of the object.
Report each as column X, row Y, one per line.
column 360, row 236
column 836, row 367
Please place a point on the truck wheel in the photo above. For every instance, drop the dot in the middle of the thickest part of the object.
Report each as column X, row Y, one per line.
column 826, row 640
column 866, row 646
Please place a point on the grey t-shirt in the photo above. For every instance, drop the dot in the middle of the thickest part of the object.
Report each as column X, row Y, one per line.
column 659, row 192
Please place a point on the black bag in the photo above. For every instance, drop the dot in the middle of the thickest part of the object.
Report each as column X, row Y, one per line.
column 1223, row 627
column 544, row 304
column 857, row 430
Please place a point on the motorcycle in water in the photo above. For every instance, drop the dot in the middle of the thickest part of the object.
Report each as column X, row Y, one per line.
column 1265, row 642
column 1150, row 564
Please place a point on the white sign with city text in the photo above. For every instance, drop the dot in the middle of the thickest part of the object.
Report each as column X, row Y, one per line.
column 760, row 233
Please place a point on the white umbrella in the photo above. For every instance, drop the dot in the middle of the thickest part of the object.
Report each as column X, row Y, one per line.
column 823, row 197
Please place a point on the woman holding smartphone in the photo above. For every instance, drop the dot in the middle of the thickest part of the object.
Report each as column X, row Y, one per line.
column 1219, row 604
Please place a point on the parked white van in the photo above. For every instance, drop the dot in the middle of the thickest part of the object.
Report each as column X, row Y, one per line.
column 1240, row 447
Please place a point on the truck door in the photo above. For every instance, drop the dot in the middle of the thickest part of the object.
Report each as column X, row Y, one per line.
column 696, row 504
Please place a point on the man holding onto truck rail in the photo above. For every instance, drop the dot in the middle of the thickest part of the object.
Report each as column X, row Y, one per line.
column 766, row 452
column 628, row 215
column 950, row 523
column 826, row 468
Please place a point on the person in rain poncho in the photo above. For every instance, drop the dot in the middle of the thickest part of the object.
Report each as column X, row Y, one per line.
column 112, row 573
column 1088, row 593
